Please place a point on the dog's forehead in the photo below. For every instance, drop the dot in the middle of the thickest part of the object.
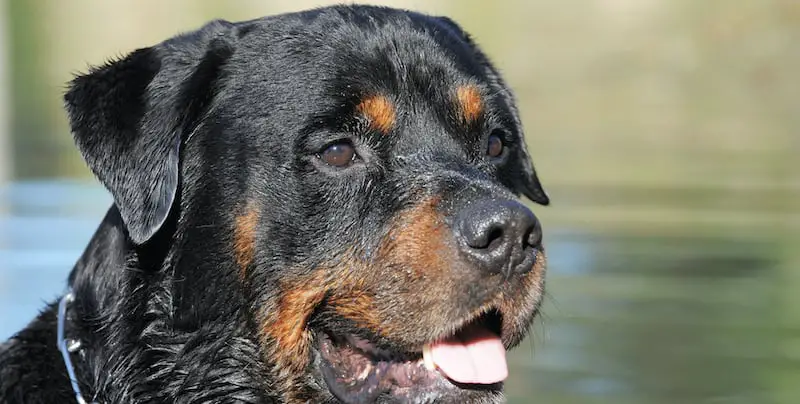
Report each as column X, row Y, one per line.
column 410, row 75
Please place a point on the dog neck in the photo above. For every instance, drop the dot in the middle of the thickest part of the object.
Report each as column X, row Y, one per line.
column 138, row 322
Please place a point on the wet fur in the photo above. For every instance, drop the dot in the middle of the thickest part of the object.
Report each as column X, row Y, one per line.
column 223, row 235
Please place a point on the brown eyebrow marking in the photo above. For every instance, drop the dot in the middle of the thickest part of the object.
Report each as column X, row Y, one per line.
column 470, row 102
column 380, row 111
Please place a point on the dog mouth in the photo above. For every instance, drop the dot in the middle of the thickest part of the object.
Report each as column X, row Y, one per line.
column 356, row 370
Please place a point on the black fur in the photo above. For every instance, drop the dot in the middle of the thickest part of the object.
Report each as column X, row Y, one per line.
column 189, row 134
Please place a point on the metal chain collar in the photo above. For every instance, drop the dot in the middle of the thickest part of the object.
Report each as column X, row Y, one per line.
column 68, row 346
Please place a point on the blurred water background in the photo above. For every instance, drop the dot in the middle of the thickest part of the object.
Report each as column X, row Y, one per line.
column 666, row 131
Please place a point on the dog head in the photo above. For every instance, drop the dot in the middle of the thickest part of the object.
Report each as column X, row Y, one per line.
column 351, row 175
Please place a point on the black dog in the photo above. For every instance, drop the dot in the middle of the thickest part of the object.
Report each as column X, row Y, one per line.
column 313, row 207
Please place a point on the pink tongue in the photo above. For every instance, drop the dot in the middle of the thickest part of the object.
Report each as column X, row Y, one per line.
column 475, row 355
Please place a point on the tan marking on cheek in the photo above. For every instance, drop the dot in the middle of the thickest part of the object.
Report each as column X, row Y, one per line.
column 358, row 307
column 287, row 326
column 244, row 239
column 469, row 102
column 421, row 243
column 380, row 112
column 284, row 332
column 349, row 292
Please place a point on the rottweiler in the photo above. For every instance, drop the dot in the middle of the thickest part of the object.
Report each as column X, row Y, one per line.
column 315, row 207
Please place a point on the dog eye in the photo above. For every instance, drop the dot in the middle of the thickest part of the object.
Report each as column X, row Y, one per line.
column 339, row 154
column 494, row 147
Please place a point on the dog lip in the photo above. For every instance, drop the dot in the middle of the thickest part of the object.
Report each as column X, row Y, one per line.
column 375, row 352
column 356, row 369
column 490, row 316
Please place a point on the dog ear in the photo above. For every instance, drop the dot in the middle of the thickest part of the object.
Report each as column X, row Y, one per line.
column 521, row 174
column 129, row 118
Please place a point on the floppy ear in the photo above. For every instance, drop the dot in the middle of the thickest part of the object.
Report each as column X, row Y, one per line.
column 128, row 119
column 521, row 174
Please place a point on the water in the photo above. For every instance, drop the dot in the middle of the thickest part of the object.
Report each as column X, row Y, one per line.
column 632, row 316
column 44, row 227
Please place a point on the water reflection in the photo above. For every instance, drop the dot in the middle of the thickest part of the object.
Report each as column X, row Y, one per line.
column 652, row 319
column 631, row 317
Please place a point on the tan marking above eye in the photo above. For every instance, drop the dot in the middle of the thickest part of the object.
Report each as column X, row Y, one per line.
column 380, row 111
column 470, row 102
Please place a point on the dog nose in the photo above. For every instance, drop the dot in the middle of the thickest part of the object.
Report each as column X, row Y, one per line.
column 499, row 236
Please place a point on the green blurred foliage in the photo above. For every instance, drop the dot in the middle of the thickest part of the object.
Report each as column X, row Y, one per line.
column 677, row 102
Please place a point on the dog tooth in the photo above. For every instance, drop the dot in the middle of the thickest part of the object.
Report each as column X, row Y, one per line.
column 427, row 357
column 364, row 373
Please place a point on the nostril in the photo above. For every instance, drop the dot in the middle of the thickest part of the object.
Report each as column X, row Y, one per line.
column 497, row 235
column 494, row 237
column 487, row 237
column 533, row 236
